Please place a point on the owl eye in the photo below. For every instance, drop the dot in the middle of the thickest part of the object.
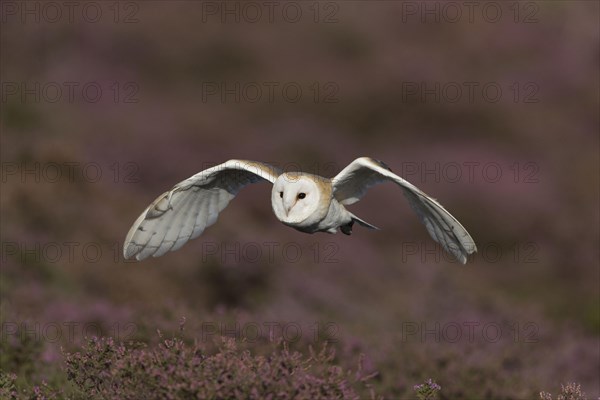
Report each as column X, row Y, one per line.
column 281, row 194
column 301, row 195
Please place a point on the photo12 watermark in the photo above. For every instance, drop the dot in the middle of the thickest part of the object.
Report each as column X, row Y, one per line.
column 269, row 92
column 253, row 332
column 61, row 253
column 469, row 92
column 68, row 172
column 470, row 12
column 271, row 252
column 270, row 12
column 489, row 253
column 64, row 331
column 470, row 171
column 71, row 12
column 70, row 92
column 468, row 331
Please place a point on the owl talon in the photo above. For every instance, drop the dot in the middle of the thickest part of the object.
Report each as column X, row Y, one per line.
column 347, row 229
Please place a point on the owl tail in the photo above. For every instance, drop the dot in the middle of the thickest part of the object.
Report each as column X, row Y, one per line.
column 347, row 229
column 363, row 223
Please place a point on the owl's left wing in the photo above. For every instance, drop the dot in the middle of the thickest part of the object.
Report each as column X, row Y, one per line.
column 182, row 213
column 351, row 184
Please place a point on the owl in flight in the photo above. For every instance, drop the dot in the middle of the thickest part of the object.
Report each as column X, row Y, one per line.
column 306, row 202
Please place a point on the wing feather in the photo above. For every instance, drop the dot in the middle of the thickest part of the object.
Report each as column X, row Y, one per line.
column 177, row 226
column 194, row 204
column 158, row 228
column 186, row 222
column 201, row 217
column 351, row 184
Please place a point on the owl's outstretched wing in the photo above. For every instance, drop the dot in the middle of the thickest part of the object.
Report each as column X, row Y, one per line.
column 351, row 184
column 191, row 206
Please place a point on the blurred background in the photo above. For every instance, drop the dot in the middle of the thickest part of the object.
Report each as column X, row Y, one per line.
column 492, row 108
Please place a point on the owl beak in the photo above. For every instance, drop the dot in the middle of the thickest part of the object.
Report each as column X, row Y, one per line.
column 288, row 208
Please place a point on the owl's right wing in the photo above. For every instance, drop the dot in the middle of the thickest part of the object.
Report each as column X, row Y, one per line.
column 351, row 184
column 182, row 213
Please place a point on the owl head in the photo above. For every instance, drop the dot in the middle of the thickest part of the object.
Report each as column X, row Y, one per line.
column 298, row 199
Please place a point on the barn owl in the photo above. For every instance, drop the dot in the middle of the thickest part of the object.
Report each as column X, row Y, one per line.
column 306, row 202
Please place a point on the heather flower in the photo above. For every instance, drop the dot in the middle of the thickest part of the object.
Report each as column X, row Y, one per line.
column 572, row 391
column 175, row 369
column 7, row 385
column 427, row 390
